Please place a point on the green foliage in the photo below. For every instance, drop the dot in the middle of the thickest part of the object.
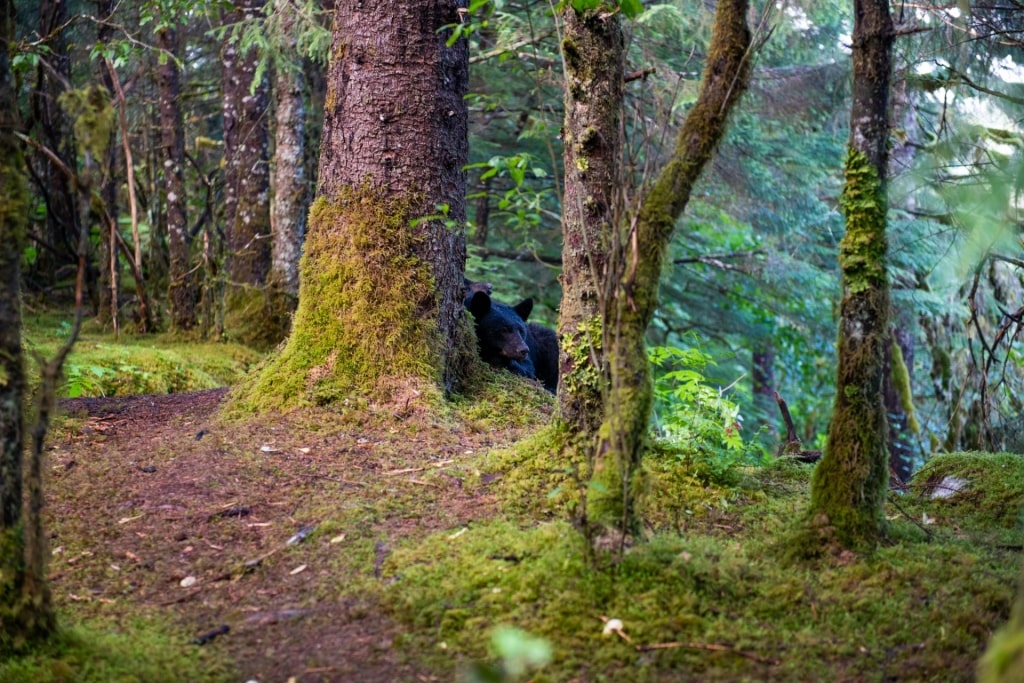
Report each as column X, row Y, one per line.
column 140, row 651
column 99, row 365
column 521, row 207
column 630, row 8
column 694, row 420
column 518, row 653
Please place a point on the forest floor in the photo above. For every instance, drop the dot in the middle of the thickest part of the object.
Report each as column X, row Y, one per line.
column 158, row 507
column 375, row 545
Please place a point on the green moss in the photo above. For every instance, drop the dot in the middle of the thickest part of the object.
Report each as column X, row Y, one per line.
column 366, row 322
column 100, row 365
column 863, row 248
column 851, row 621
column 142, row 650
column 973, row 491
column 901, row 382
column 257, row 317
column 94, row 118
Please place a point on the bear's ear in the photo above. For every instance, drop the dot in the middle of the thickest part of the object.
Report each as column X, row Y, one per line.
column 523, row 308
column 480, row 304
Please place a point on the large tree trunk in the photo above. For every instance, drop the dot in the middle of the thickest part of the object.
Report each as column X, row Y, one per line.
column 638, row 264
column 250, row 315
column 849, row 485
column 183, row 285
column 381, row 280
column 594, row 49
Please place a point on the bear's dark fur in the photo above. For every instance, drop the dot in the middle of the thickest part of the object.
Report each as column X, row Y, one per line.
column 474, row 287
column 543, row 343
column 501, row 333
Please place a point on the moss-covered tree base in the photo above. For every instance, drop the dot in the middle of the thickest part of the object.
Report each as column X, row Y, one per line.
column 24, row 621
column 256, row 317
column 366, row 323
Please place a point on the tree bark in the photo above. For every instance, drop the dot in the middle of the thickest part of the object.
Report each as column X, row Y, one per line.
column 638, row 264
column 593, row 47
column 26, row 613
column 249, row 313
column 109, row 276
column 289, row 206
column 849, row 485
column 380, row 300
column 183, row 285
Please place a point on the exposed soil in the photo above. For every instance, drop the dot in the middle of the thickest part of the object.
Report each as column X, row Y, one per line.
column 156, row 502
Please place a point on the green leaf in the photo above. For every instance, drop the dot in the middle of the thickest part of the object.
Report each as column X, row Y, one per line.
column 631, row 8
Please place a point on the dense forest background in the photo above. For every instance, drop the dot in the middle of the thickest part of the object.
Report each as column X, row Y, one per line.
column 169, row 165
column 209, row 117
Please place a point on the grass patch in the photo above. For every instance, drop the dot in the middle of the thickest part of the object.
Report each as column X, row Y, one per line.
column 712, row 595
column 100, row 365
column 134, row 652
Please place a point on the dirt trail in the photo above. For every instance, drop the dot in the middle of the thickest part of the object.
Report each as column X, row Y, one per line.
column 155, row 504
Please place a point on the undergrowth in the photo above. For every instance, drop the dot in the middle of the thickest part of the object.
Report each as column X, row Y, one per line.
column 705, row 597
column 139, row 651
column 100, row 365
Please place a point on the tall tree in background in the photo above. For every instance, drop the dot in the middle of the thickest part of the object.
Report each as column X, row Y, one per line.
column 849, row 485
column 381, row 279
column 183, row 279
column 289, row 208
column 249, row 314
column 50, row 126
column 109, row 276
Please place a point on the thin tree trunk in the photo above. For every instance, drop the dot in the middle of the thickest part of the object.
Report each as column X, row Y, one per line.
column 289, row 207
column 849, row 485
column 108, row 279
column 53, row 130
column 638, row 265
column 26, row 613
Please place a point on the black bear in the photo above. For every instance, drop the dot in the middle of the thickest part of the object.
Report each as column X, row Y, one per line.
column 501, row 332
column 543, row 344
column 474, row 287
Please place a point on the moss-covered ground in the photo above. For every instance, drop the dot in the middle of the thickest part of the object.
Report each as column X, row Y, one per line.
column 418, row 533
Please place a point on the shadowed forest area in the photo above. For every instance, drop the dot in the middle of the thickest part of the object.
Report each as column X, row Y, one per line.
column 511, row 341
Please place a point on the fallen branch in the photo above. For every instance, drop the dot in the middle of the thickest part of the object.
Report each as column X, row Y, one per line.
column 408, row 470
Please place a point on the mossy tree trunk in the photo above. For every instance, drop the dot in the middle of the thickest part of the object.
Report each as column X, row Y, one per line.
column 593, row 47
column 26, row 613
column 849, row 485
column 251, row 313
column 380, row 297
column 183, row 279
column 637, row 266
